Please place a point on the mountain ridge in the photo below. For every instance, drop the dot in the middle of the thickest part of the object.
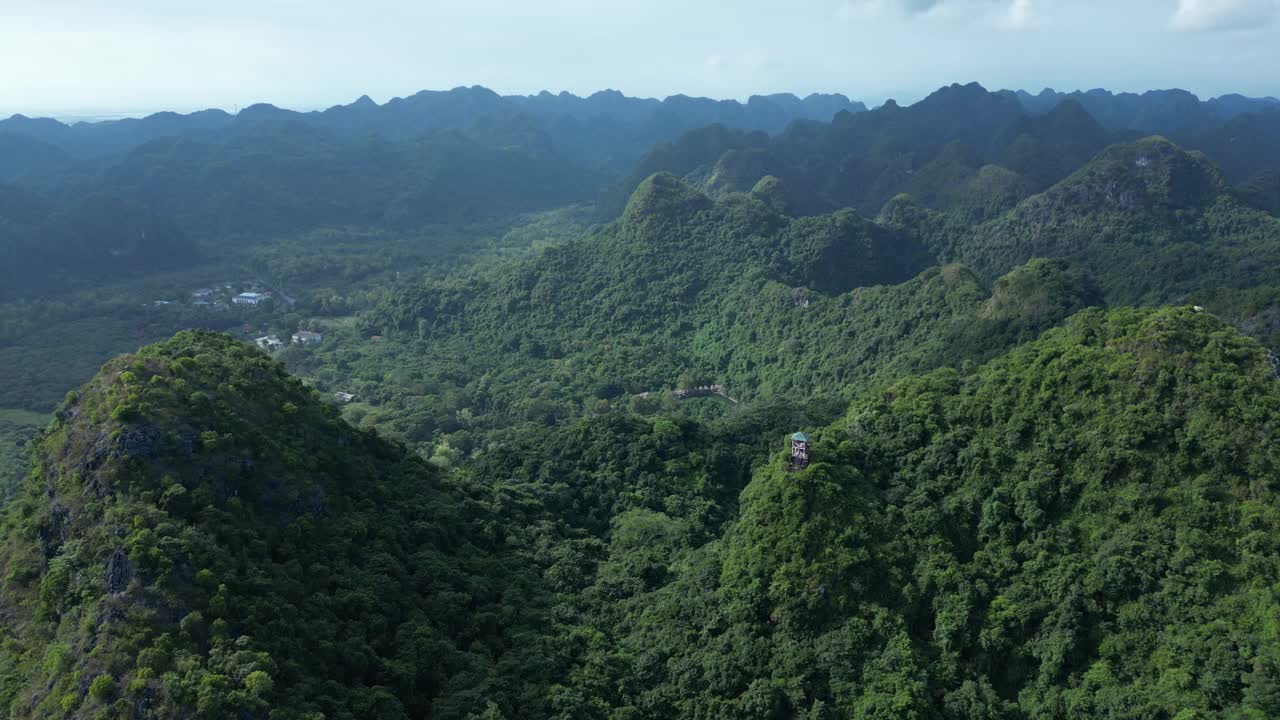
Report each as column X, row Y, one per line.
column 563, row 115
column 201, row 534
column 1148, row 204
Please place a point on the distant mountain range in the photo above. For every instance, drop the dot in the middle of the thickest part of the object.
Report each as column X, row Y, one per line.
column 962, row 147
column 1169, row 112
column 604, row 128
column 469, row 154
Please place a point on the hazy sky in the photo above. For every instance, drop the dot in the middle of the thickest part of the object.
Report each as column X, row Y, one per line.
column 81, row 56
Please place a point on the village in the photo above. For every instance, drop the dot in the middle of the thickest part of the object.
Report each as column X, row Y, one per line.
column 255, row 301
column 271, row 343
column 224, row 296
column 248, row 296
column 245, row 294
column 254, row 312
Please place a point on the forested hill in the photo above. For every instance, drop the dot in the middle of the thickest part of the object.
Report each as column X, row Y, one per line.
column 201, row 536
column 688, row 290
column 963, row 149
column 1082, row 529
column 685, row 289
column 1150, row 221
column 1078, row 529
column 862, row 160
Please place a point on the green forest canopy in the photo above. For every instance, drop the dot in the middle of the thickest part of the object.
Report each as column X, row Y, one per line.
column 1027, row 497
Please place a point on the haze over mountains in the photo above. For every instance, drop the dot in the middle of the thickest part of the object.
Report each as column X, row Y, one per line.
column 578, row 125
column 563, row 113
column 469, row 153
column 1156, row 111
column 475, row 407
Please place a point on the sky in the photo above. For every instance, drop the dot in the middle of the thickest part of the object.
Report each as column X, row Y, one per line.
column 110, row 57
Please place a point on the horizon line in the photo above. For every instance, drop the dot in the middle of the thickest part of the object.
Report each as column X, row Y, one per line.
column 74, row 115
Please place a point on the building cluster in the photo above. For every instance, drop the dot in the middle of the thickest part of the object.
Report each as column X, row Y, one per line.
column 251, row 298
column 269, row 342
column 302, row 337
column 222, row 296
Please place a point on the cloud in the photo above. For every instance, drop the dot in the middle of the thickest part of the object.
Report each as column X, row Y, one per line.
column 851, row 9
column 1021, row 14
column 918, row 6
column 1014, row 14
column 1210, row 15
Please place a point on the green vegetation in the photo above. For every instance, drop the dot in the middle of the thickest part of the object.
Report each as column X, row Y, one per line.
column 1077, row 530
column 202, row 535
column 683, row 291
column 53, row 343
column 1256, row 311
column 1149, row 220
column 44, row 248
column 976, row 168
column 17, row 428
column 537, row 467
column 1262, row 191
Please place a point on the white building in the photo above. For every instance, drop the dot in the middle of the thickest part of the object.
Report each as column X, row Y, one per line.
column 250, row 298
column 269, row 342
column 306, row 336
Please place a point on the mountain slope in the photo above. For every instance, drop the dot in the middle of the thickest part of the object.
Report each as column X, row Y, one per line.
column 97, row 235
column 1262, row 191
column 1079, row 529
column 1047, row 148
column 1149, row 220
column 1244, row 147
column 681, row 291
column 21, row 155
column 931, row 149
column 285, row 177
column 200, row 536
